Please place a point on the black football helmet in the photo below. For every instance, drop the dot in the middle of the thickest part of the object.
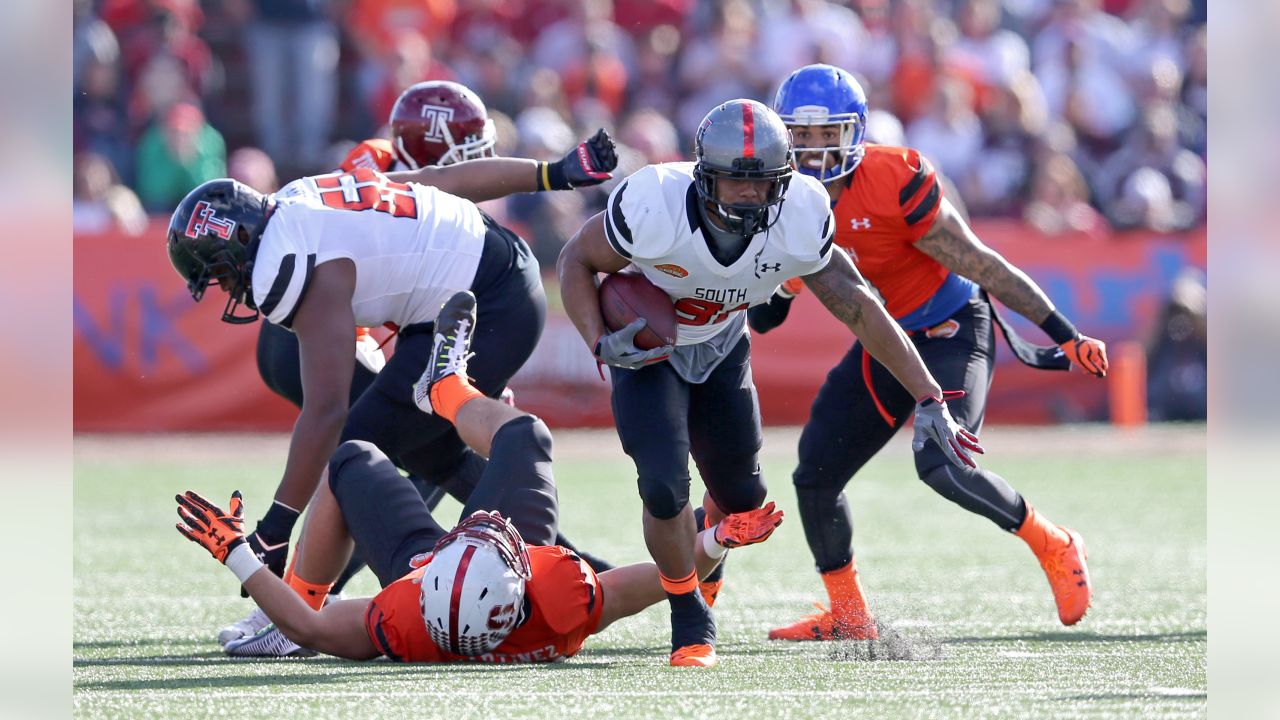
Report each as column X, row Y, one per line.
column 213, row 238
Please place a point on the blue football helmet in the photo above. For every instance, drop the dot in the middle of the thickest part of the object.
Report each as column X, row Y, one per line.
column 825, row 95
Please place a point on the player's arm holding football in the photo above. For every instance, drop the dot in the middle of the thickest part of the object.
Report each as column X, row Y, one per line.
column 841, row 288
column 589, row 163
column 337, row 630
column 953, row 243
column 586, row 254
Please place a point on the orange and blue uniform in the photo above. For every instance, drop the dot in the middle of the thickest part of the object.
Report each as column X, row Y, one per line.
column 892, row 200
column 563, row 599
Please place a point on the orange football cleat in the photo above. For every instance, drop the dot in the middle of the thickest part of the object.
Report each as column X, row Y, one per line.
column 711, row 590
column 694, row 656
column 1064, row 565
column 824, row 625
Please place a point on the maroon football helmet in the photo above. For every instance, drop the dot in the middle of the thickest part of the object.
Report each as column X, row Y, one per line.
column 440, row 123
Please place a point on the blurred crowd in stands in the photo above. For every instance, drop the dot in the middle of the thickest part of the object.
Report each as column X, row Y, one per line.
column 1074, row 115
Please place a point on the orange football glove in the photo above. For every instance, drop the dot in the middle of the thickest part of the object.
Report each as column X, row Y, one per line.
column 792, row 287
column 207, row 524
column 748, row 528
column 1089, row 354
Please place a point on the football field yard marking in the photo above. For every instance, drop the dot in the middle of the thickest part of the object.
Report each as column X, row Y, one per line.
column 148, row 604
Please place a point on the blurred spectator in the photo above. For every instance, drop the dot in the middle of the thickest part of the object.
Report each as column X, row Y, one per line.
column 879, row 52
column 99, row 202
column 795, row 33
column 91, row 40
column 990, row 55
column 1178, row 354
column 923, row 43
column 175, row 155
column 1059, row 201
column 292, row 48
column 1105, row 39
column 884, row 128
column 99, row 121
column 254, row 168
column 1162, row 85
column 653, row 135
column 1013, row 119
column 1159, row 33
column 408, row 61
column 567, row 43
column 1195, row 83
column 388, row 36
column 654, row 84
column 640, row 17
column 950, row 134
column 601, row 78
column 1151, row 181
column 718, row 68
column 1089, row 92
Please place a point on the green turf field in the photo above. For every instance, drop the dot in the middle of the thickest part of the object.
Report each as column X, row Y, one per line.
column 972, row 621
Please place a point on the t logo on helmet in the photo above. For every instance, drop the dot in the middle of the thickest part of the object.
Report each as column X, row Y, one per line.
column 437, row 118
column 203, row 220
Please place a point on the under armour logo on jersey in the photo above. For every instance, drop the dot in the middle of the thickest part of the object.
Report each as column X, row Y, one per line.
column 437, row 118
column 863, row 224
column 768, row 267
column 203, row 220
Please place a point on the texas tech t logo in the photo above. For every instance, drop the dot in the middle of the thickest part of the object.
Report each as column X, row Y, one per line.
column 204, row 221
column 437, row 119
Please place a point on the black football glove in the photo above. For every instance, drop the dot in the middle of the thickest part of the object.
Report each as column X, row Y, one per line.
column 590, row 163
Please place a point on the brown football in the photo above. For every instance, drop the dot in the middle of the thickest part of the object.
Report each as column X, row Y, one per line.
column 626, row 296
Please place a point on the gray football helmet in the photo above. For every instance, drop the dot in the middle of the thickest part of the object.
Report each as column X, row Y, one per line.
column 743, row 139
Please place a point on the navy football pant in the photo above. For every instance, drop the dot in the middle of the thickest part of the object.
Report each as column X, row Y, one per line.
column 860, row 407
column 662, row 419
column 390, row 524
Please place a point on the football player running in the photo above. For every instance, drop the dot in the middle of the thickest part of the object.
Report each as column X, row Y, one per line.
column 933, row 273
column 718, row 235
column 331, row 252
column 494, row 589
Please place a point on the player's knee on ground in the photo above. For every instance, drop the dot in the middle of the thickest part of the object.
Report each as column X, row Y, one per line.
column 351, row 459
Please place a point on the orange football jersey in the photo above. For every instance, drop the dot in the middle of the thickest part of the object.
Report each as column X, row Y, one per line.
column 563, row 597
column 890, row 203
column 375, row 154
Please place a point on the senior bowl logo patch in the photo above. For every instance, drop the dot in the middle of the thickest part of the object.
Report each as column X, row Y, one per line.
column 943, row 330
column 673, row 270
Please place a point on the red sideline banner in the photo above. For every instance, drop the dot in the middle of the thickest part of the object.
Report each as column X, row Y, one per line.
column 149, row 359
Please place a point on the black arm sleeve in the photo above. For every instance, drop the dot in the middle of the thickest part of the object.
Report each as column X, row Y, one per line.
column 763, row 318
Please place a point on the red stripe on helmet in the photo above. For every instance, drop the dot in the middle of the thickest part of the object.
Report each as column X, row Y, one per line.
column 455, row 599
column 748, row 131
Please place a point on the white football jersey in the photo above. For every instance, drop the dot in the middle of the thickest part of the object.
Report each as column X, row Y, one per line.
column 653, row 220
column 413, row 246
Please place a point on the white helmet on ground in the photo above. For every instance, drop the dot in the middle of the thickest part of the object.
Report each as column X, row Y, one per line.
column 473, row 589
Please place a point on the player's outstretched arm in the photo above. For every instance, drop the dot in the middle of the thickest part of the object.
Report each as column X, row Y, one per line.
column 842, row 290
column 336, row 630
column 628, row 590
column 590, row 163
column 953, row 243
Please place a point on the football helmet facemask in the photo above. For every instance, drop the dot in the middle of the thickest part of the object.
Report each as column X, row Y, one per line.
column 743, row 139
column 817, row 95
column 440, row 123
column 212, row 239
column 473, row 590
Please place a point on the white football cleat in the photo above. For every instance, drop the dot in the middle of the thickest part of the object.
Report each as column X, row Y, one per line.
column 244, row 627
column 266, row 643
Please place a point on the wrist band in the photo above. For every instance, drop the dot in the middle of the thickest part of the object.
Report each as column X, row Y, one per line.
column 1059, row 328
column 551, row 177
column 713, row 549
column 243, row 562
column 544, row 179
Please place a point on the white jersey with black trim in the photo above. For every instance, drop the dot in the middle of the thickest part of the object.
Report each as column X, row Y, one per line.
column 413, row 246
column 653, row 220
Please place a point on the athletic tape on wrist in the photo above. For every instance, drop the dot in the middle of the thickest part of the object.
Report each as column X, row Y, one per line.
column 713, row 549
column 243, row 562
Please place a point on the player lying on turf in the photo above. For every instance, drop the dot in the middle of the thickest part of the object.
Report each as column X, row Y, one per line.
column 477, row 592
